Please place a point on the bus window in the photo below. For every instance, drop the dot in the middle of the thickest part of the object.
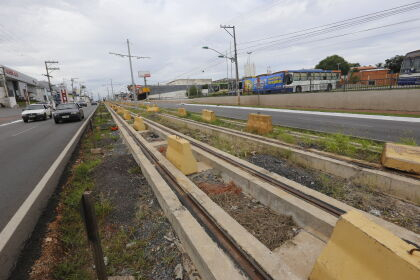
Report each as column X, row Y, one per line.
column 303, row 76
column 317, row 76
column 324, row 76
column 416, row 64
column 296, row 76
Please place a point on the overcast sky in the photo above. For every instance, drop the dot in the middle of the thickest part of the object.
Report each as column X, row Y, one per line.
column 81, row 33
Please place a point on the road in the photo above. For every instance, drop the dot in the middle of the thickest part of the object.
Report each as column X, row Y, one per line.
column 26, row 152
column 387, row 129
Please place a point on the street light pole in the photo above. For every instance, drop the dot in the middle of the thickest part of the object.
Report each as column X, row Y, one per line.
column 225, row 27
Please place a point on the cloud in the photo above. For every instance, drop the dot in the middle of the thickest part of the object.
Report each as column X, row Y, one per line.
column 81, row 33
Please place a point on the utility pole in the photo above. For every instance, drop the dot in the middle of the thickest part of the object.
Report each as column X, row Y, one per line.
column 49, row 70
column 145, row 86
column 233, row 34
column 112, row 89
column 133, row 86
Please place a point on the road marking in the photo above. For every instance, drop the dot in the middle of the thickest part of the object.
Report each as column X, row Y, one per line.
column 345, row 115
column 25, row 130
column 11, row 122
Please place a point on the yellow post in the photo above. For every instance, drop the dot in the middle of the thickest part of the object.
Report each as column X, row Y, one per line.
column 262, row 124
column 127, row 115
column 208, row 115
column 401, row 157
column 139, row 124
column 180, row 154
column 360, row 249
column 182, row 112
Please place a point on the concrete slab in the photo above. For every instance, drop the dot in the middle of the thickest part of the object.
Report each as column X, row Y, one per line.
column 301, row 253
column 401, row 157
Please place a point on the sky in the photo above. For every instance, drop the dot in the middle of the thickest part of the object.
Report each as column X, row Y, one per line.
column 81, row 33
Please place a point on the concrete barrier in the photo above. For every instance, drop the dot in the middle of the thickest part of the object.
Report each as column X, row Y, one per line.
column 127, row 115
column 262, row 124
column 406, row 100
column 361, row 249
column 153, row 109
column 401, row 157
column 179, row 154
column 20, row 227
column 208, row 115
column 139, row 124
column 182, row 112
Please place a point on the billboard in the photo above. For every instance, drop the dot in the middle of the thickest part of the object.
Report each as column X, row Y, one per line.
column 144, row 74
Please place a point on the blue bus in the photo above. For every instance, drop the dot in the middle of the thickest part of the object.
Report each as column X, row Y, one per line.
column 304, row 80
column 410, row 69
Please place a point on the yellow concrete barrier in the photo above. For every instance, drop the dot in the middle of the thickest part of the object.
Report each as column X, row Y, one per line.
column 360, row 249
column 182, row 112
column 180, row 154
column 208, row 115
column 262, row 124
column 127, row 115
column 154, row 108
column 139, row 124
column 120, row 110
column 401, row 157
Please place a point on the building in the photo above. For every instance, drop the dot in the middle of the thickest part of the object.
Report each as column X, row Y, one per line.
column 373, row 76
column 16, row 86
column 197, row 82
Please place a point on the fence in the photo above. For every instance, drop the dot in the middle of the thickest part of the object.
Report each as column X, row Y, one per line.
column 372, row 84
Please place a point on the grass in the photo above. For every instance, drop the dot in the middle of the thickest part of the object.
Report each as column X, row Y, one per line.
column 337, row 143
column 408, row 141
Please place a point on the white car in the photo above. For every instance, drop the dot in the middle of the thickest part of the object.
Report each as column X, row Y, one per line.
column 36, row 112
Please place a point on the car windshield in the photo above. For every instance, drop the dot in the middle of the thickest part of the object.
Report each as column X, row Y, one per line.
column 66, row 106
column 35, row 107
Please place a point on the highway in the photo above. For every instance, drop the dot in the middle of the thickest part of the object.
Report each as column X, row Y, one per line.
column 27, row 151
column 366, row 126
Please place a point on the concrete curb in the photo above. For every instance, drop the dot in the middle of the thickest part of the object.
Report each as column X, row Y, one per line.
column 20, row 227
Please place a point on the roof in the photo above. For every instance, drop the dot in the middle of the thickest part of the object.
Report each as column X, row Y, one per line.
column 413, row 53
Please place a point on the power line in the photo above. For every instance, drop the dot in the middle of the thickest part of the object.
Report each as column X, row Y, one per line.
column 348, row 22
column 341, row 35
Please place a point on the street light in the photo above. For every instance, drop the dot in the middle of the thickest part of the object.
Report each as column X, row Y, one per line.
column 221, row 55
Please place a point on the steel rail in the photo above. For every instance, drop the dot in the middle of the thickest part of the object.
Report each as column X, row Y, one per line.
column 333, row 210
column 240, row 257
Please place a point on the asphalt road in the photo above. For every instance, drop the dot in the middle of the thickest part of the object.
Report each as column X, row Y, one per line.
column 27, row 151
column 383, row 130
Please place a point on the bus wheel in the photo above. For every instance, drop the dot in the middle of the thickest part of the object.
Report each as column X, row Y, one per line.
column 329, row 87
column 298, row 89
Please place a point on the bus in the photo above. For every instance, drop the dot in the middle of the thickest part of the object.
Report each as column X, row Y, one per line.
column 305, row 80
column 410, row 69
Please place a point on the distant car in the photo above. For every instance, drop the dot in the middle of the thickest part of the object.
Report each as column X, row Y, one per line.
column 82, row 104
column 68, row 112
column 36, row 112
column 94, row 103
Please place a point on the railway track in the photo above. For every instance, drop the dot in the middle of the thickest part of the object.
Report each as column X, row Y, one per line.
column 241, row 258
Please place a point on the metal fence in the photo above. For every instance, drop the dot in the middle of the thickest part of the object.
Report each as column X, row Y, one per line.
column 373, row 84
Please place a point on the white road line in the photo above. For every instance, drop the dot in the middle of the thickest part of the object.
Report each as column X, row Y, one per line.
column 11, row 122
column 344, row 115
column 25, row 130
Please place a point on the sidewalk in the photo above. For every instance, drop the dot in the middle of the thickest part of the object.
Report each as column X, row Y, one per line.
column 9, row 114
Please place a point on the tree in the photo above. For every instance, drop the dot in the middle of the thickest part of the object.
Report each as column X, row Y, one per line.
column 334, row 62
column 394, row 63
column 379, row 65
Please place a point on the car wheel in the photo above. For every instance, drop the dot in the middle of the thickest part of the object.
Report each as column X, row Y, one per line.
column 56, row 121
column 50, row 115
column 25, row 120
column 329, row 87
column 45, row 116
column 298, row 89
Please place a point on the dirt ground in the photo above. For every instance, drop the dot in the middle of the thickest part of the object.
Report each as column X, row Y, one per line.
column 402, row 213
column 267, row 226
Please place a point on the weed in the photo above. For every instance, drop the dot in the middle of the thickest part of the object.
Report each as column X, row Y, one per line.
column 408, row 141
column 135, row 170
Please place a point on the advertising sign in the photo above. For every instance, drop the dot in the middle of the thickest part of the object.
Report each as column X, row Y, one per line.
column 144, row 74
